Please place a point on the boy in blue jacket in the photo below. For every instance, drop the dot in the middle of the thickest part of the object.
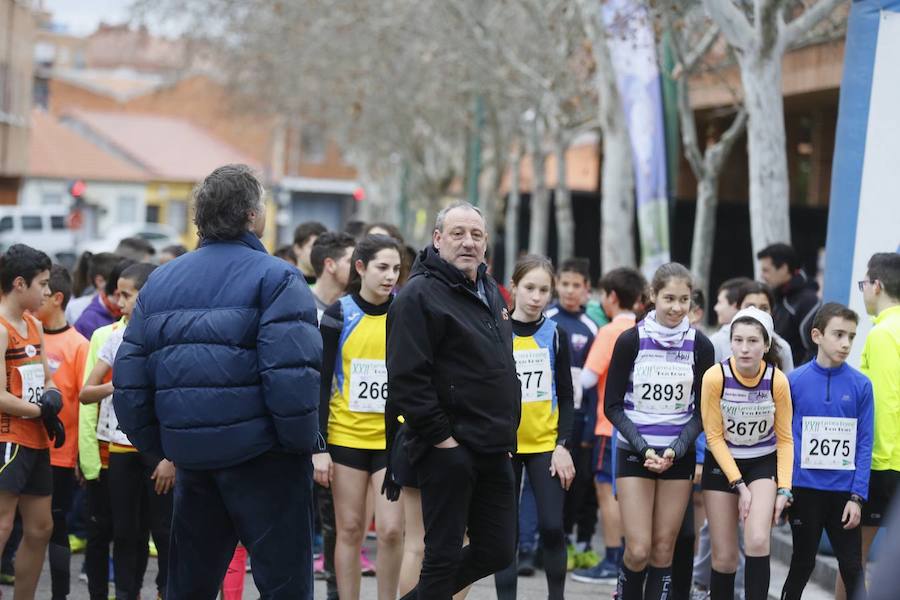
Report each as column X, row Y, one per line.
column 833, row 425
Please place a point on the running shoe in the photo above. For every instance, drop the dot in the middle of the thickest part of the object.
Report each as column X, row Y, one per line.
column 571, row 565
column 77, row 544
column 526, row 564
column 604, row 572
column 587, row 559
column 319, row 568
column 7, row 579
column 151, row 546
column 366, row 566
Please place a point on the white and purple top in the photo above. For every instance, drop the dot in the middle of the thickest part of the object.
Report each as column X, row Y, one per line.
column 659, row 398
column 748, row 414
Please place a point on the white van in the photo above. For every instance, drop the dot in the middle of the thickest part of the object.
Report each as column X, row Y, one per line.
column 45, row 229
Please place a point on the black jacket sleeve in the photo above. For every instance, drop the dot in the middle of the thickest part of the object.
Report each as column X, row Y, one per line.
column 330, row 328
column 565, row 393
column 624, row 353
column 704, row 358
column 411, row 342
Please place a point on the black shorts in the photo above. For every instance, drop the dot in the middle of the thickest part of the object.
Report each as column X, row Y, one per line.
column 714, row 479
column 882, row 487
column 369, row 461
column 25, row 471
column 631, row 464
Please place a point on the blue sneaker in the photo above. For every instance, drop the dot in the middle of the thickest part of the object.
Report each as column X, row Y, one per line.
column 605, row 572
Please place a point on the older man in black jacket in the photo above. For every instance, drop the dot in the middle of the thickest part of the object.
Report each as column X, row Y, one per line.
column 452, row 375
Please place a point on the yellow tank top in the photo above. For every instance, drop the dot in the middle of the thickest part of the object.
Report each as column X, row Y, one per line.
column 359, row 386
column 536, row 367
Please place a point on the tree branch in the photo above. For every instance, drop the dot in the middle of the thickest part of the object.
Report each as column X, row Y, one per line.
column 731, row 21
column 689, row 129
column 703, row 46
column 721, row 149
column 809, row 19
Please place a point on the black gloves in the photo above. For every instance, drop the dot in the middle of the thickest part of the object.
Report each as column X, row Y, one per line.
column 51, row 403
column 390, row 488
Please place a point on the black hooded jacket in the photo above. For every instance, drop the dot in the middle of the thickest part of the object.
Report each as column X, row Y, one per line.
column 796, row 303
column 450, row 364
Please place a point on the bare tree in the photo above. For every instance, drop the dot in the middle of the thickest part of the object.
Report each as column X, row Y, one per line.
column 617, row 195
column 690, row 45
column 760, row 35
column 513, row 202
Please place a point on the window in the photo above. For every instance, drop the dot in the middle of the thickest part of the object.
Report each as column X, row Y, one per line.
column 57, row 222
column 312, row 144
column 51, row 199
column 178, row 215
column 31, row 223
column 6, row 224
column 152, row 213
column 126, row 209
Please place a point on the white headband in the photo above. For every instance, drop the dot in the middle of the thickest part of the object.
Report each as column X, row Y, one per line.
column 761, row 317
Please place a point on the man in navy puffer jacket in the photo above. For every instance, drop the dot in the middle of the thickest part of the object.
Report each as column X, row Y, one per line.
column 219, row 373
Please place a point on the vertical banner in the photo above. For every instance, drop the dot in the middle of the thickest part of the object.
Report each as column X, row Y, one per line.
column 632, row 47
column 864, row 211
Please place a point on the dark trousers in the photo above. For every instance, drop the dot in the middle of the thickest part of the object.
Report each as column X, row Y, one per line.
column 100, row 536
column 137, row 508
column 812, row 512
column 325, row 504
column 581, row 499
column 463, row 491
column 549, row 497
column 58, row 551
column 266, row 503
column 683, row 557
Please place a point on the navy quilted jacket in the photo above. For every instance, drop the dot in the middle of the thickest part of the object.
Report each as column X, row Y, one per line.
column 221, row 359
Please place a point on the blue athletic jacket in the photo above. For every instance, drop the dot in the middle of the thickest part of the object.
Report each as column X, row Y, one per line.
column 839, row 392
column 221, row 358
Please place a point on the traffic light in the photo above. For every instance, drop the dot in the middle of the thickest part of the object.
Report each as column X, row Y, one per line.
column 77, row 189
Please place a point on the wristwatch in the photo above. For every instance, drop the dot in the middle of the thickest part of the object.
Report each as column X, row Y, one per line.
column 736, row 484
column 856, row 498
column 786, row 493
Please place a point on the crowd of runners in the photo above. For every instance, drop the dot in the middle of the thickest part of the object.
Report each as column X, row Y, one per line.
column 479, row 428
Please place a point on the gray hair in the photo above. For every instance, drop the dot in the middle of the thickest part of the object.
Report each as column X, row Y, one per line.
column 442, row 215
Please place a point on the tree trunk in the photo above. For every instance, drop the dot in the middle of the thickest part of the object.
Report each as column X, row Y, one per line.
column 511, row 239
column 617, row 202
column 565, row 221
column 704, row 228
column 766, row 145
column 617, row 186
column 540, row 197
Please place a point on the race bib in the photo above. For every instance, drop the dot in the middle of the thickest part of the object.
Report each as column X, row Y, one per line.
column 535, row 374
column 578, row 392
column 32, row 382
column 368, row 385
column 828, row 443
column 108, row 429
column 662, row 387
column 747, row 423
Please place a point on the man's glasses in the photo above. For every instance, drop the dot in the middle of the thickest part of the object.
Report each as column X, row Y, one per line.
column 862, row 284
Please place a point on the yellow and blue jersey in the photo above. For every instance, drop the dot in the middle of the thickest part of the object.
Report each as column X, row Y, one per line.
column 358, row 391
column 536, row 366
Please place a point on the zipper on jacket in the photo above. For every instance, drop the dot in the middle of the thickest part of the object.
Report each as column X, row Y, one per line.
column 828, row 388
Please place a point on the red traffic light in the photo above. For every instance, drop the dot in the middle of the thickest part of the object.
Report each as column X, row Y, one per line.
column 359, row 194
column 77, row 188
